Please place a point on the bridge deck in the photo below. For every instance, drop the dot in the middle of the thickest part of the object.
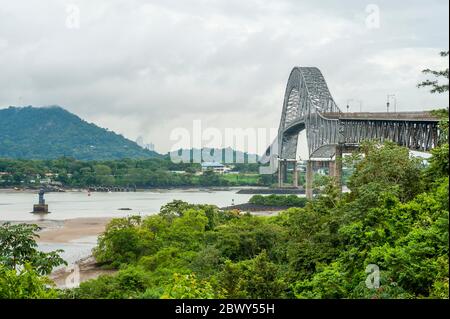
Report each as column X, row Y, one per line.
column 384, row 116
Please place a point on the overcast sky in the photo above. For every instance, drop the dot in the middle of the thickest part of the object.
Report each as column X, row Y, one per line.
column 147, row 67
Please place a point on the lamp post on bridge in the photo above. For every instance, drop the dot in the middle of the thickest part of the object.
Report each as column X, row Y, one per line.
column 360, row 105
column 395, row 102
column 348, row 104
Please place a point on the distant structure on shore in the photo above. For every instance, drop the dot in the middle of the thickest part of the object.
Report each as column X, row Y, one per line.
column 215, row 167
column 149, row 146
column 41, row 207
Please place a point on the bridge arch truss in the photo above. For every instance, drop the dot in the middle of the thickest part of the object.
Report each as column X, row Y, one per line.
column 308, row 105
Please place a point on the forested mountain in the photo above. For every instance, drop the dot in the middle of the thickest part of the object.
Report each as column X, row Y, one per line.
column 52, row 132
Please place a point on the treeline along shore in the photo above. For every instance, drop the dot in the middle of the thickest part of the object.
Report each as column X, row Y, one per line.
column 118, row 175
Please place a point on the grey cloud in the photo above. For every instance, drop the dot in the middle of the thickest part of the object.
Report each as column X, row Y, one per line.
column 146, row 67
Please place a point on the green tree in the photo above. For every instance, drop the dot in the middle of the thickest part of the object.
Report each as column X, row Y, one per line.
column 124, row 241
column 278, row 200
column 18, row 247
column 129, row 282
column 188, row 287
column 436, row 87
column 257, row 278
column 329, row 282
column 24, row 284
column 438, row 163
column 386, row 167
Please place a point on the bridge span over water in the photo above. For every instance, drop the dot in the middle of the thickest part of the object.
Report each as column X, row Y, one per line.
column 308, row 105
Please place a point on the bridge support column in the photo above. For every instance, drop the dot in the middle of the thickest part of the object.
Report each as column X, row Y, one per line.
column 309, row 179
column 280, row 173
column 295, row 175
column 338, row 166
column 332, row 168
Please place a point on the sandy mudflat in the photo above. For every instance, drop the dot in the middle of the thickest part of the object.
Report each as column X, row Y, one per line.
column 83, row 270
column 71, row 229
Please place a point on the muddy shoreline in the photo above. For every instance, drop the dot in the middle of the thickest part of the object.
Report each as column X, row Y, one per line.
column 84, row 269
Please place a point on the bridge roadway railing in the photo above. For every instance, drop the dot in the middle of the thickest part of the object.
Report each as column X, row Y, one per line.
column 414, row 130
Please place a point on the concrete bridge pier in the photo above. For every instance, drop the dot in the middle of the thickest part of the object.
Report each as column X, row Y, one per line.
column 332, row 168
column 280, row 172
column 338, row 166
column 295, row 174
column 335, row 167
column 309, row 179
column 283, row 172
column 281, row 165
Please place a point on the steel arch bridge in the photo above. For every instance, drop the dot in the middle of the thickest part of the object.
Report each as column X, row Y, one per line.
column 308, row 105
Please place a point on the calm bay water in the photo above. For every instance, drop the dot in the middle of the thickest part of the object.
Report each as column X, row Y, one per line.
column 17, row 205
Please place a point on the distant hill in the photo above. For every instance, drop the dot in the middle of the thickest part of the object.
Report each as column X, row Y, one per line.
column 52, row 132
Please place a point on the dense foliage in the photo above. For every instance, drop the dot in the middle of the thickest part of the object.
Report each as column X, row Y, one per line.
column 18, row 247
column 52, row 132
column 22, row 266
column 396, row 217
column 25, row 283
column 278, row 200
column 141, row 173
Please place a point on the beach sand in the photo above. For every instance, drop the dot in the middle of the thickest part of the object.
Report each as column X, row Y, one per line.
column 70, row 230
